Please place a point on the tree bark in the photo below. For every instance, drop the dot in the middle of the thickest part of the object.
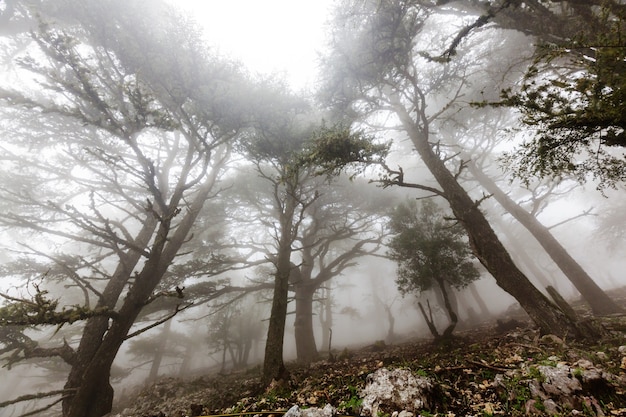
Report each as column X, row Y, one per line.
column 599, row 301
column 273, row 364
column 391, row 335
column 448, row 306
column 326, row 317
column 521, row 255
column 303, row 326
column 97, row 327
column 485, row 244
column 429, row 319
column 94, row 395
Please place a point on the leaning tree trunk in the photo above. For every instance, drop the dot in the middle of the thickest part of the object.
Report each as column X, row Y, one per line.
column 484, row 310
column 89, row 376
column 522, row 256
column 303, row 327
column 600, row 302
column 94, row 396
column 485, row 244
column 97, row 327
column 454, row 318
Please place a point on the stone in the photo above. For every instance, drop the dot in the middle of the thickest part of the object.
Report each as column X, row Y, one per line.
column 293, row 412
column 560, row 384
column 327, row 411
column 551, row 339
column 398, row 389
column 551, row 407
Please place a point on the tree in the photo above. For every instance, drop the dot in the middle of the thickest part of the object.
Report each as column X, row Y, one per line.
column 135, row 139
column 375, row 69
column 573, row 98
column 341, row 226
column 600, row 302
column 233, row 328
column 525, row 203
column 572, row 94
column 430, row 252
column 282, row 124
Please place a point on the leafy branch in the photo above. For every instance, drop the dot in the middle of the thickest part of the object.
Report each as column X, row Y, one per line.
column 42, row 310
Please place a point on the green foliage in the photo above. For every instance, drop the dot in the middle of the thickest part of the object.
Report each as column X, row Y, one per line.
column 41, row 310
column 334, row 149
column 353, row 404
column 428, row 248
column 535, row 373
column 574, row 97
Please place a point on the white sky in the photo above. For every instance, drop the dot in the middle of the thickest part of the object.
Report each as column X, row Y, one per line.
column 268, row 36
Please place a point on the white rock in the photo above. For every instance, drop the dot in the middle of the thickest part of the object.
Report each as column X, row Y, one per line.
column 398, row 389
column 293, row 412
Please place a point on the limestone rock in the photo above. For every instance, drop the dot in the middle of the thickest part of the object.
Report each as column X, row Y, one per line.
column 397, row 389
column 327, row 411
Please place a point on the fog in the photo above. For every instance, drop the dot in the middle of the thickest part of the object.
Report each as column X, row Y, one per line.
column 168, row 206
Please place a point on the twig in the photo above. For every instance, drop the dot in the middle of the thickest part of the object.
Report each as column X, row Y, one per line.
column 159, row 322
column 486, row 365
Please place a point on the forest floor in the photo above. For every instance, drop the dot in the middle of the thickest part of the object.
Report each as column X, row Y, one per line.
column 486, row 371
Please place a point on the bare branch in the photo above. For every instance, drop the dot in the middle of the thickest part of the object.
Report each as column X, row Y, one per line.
column 29, row 397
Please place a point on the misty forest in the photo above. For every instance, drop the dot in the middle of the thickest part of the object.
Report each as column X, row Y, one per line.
column 433, row 225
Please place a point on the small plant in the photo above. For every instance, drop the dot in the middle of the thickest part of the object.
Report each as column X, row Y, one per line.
column 535, row 373
column 577, row 373
column 354, row 403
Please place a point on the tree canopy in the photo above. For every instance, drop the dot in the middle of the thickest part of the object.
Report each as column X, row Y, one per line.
column 429, row 248
column 573, row 99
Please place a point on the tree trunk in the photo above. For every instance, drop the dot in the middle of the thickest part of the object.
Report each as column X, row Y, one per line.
column 484, row 242
column 560, row 301
column 96, row 327
column 188, row 355
column 525, row 259
column 303, row 326
column 159, row 351
column 94, row 395
column 448, row 306
column 90, row 374
column 430, row 322
column 326, row 317
column 245, row 356
column 391, row 335
column 600, row 302
column 484, row 311
column 273, row 365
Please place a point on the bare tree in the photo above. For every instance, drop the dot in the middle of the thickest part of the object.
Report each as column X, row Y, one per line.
column 342, row 226
column 133, row 123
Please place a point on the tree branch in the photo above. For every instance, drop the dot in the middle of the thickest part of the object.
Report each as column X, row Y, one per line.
column 29, row 397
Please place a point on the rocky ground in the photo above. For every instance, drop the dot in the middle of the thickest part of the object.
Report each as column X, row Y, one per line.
column 492, row 370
